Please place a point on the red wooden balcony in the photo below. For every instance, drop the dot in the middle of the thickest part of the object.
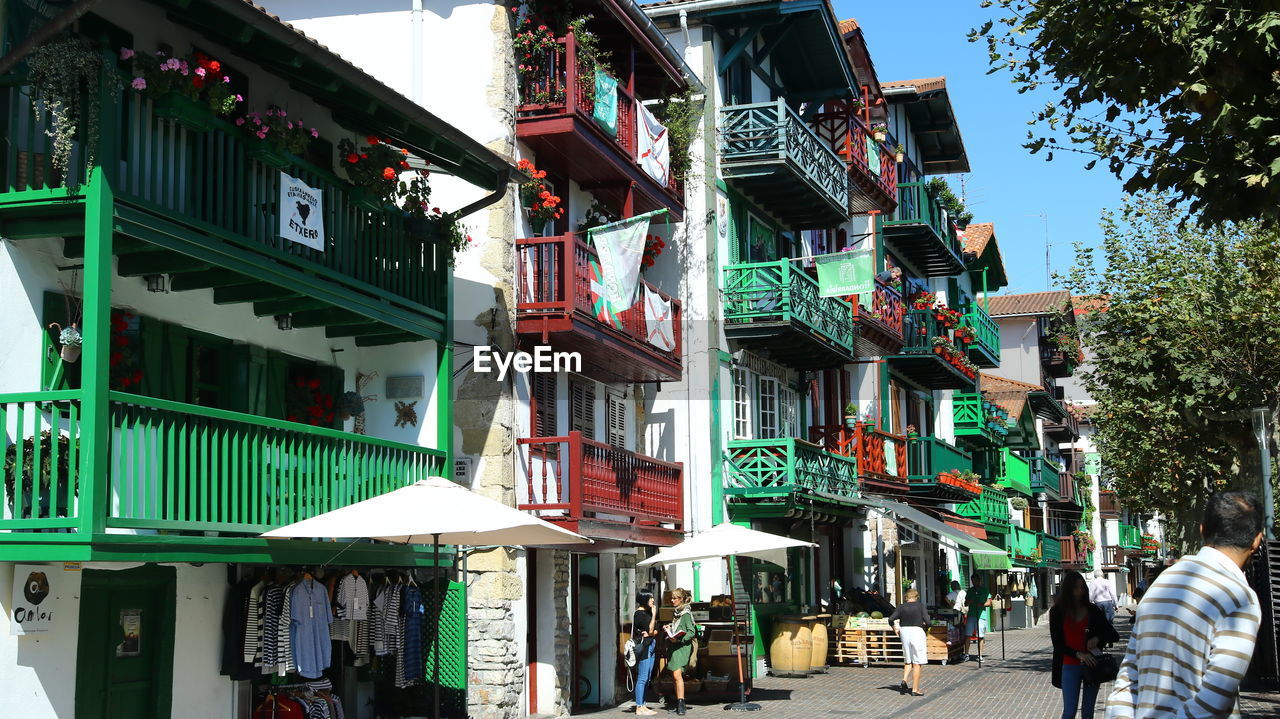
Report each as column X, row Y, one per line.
column 555, row 118
column 559, row 303
column 873, row 168
column 882, row 457
column 1113, row 556
column 601, row 491
column 880, row 324
column 1108, row 503
column 1071, row 557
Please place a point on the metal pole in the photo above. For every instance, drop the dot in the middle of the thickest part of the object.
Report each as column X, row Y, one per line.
column 1262, row 425
column 435, row 670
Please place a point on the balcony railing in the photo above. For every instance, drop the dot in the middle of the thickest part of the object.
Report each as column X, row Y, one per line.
column 775, row 467
column 1051, row 550
column 766, row 303
column 562, row 85
column 1065, row 429
column 985, row 351
column 1045, row 476
column 768, row 143
column 921, row 361
column 218, row 182
column 1024, row 544
column 559, row 281
column 978, row 421
column 872, row 165
column 880, row 325
column 1017, row 473
column 922, row 232
column 173, row 466
column 1130, row 536
column 882, row 457
column 1071, row 557
column 930, row 455
column 991, row 507
column 1108, row 503
column 572, row 478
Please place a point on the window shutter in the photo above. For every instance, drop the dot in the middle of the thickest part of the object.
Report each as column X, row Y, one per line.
column 544, row 399
column 617, row 421
column 582, row 408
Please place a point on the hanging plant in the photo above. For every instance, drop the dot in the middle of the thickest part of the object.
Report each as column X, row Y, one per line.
column 71, row 340
column 1018, row 503
column 65, row 72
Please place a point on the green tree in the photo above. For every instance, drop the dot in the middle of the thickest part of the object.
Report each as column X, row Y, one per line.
column 1184, row 337
column 1173, row 95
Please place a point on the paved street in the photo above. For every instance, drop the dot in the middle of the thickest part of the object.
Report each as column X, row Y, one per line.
column 1016, row 687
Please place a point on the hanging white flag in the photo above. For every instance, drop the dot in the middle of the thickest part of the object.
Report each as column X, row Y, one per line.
column 658, row 321
column 654, row 151
column 621, row 248
column 301, row 212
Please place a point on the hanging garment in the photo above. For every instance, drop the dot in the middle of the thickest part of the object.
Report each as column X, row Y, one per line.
column 413, row 611
column 272, row 603
column 279, row 707
column 352, row 598
column 253, row 626
column 235, row 617
column 310, row 616
column 284, row 643
column 377, row 640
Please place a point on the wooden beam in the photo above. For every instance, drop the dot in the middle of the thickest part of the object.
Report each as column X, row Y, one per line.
column 383, row 340
column 152, row 263
column 769, row 47
column 249, row 293
column 375, row 329
column 208, row 279
column 740, row 45
column 29, row 228
column 288, row 305
column 327, row 318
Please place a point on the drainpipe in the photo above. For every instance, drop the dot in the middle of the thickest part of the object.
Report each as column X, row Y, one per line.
column 684, row 26
column 417, row 52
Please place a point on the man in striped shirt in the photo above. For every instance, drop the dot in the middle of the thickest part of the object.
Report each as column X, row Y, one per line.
column 1196, row 626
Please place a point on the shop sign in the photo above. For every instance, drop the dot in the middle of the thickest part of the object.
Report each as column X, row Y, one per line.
column 35, row 593
column 301, row 212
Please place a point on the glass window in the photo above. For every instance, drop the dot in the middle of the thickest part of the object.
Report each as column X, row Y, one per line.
column 768, row 404
column 741, row 404
column 789, row 412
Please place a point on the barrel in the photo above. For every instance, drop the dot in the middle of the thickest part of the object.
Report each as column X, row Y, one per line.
column 820, row 638
column 791, row 648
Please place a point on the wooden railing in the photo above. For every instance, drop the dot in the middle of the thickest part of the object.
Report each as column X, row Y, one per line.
column 1130, row 536
column 573, row 478
column 918, row 206
column 782, row 465
column 979, row 418
column 1045, row 475
column 773, row 131
column 218, row 181
column 844, row 131
column 928, row 456
column 174, row 466
column 777, row 292
column 985, row 329
column 1023, row 543
column 1110, row 556
column 880, row 455
column 1070, row 555
column 564, row 84
column 887, row 310
column 1051, row 550
column 1017, row 473
column 561, row 276
column 1108, row 502
column 991, row 507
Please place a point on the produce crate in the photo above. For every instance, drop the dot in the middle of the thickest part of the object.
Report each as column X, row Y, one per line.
column 944, row 644
column 868, row 646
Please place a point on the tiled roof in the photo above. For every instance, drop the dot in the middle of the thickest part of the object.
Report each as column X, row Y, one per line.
column 1085, row 305
column 977, row 235
column 927, row 84
column 1010, row 395
column 1032, row 303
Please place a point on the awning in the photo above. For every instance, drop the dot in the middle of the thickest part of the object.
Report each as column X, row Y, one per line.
column 984, row 555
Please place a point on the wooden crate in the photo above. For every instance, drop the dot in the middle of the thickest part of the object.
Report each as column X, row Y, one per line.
column 868, row 647
column 944, row 644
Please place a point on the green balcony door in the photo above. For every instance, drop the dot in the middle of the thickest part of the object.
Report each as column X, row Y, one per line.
column 124, row 667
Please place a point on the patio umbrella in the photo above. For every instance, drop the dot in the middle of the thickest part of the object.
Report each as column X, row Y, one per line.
column 432, row 511
column 726, row 540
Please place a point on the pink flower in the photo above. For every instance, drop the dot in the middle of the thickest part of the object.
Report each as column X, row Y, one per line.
column 282, row 113
column 314, row 133
column 289, row 125
column 139, row 83
column 239, row 98
column 125, row 53
column 182, row 66
column 227, row 78
column 239, row 122
column 262, row 134
column 199, row 71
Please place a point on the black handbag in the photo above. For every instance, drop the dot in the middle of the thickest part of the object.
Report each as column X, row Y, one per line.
column 1105, row 669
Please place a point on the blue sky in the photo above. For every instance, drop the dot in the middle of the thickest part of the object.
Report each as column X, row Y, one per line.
column 1007, row 185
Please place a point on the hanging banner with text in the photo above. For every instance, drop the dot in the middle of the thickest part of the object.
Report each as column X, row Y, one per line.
column 34, row 598
column 841, row 274
column 301, row 212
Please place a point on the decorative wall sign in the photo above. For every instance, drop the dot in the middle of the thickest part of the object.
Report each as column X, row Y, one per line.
column 406, row 415
column 131, row 626
column 34, row 595
column 405, row 387
column 301, row 212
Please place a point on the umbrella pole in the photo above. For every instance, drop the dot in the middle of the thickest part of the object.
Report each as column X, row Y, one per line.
column 743, row 705
column 435, row 669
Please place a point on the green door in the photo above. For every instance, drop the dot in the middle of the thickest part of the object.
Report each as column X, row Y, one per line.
column 125, row 663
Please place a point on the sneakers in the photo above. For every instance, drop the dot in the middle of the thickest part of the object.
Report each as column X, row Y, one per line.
column 645, row 712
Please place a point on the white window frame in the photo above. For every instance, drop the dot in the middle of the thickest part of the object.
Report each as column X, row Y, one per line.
column 789, row 412
column 742, row 415
column 767, row 405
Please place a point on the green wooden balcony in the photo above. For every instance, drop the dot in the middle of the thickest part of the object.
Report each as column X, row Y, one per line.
column 1024, row 546
column 991, row 507
column 774, row 306
column 770, row 154
column 882, row 457
column 1050, row 551
column 921, row 232
column 1016, row 475
column 923, row 362
column 933, row 464
column 1130, row 536
column 1046, row 476
column 979, row 423
column 985, row 349
column 761, row 468
column 178, row 468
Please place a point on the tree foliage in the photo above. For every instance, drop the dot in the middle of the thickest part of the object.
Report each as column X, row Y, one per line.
column 1185, row 339
column 1173, row 95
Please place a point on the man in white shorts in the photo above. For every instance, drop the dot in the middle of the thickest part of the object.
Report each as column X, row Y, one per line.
column 910, row 621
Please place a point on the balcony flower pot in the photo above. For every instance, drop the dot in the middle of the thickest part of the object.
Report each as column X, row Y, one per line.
column 880, row 136
column 70, row 340
column 365, row 200
column 268, row 153
column 851, row 421
column 183, row 110
column 898, row 157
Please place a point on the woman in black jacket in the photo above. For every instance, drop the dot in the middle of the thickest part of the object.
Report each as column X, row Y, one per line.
column 1077, row 627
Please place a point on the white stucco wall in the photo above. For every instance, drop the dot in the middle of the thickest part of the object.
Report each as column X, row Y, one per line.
column 1019, row 350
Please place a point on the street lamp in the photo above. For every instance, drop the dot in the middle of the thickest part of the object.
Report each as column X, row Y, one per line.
column 1261, row 426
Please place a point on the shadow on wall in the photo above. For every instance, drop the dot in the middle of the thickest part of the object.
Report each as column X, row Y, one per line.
column 37, row 671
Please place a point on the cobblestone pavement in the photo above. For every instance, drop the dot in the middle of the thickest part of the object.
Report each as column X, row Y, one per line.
column 1015, row 687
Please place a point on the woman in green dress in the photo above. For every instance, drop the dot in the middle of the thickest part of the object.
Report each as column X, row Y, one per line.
column 680, row 635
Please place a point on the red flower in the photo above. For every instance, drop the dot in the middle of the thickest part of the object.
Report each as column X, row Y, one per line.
column 197, row 81
column 292, row 418
column 215, row 66
column 364, row 156
column 404, row 165
column 137, row 377
column 353, row 158
column 404, row 152
column 315, row 384
column 388, row 173
column 372, row 139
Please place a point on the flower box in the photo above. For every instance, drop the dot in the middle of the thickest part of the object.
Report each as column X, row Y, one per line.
column 268, row 153
column 365, row 199
column 183, row 110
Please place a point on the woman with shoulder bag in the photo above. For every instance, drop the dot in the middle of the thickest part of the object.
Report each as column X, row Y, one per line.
column 644, row 633
column 1078, row 627
column 681, row 633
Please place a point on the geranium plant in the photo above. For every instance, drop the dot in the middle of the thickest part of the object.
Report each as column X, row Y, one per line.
column 653, row 246
column 274, row 124
column 539, row 202
column 923, row 300
column 376, row 168
column 197, row 77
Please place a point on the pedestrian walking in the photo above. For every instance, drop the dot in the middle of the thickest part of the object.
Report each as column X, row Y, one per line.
column 1078, row 628
column 910, row 621
column 1196, row 626
column 681, row 633
column 644, row 633
column 976, row 601
column 1102, row 593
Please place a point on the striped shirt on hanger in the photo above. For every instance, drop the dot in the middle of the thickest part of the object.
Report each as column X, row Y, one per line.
column 1191, row 644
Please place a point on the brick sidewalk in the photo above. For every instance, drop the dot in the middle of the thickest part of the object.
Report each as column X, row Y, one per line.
column 1016, row 687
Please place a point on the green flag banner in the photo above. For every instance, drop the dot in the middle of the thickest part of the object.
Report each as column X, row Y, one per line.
column 841, row 274
column 606, row 110
column 873, row 156
column 620, row 246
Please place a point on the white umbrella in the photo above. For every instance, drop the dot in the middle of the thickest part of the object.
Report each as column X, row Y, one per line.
column 432, row 511
column 725, row 540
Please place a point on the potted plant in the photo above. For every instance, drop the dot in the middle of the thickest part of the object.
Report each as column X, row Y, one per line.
column 191, row 91
column 851, row 415
column 870, row 420
column 374, row 170
column 62, row 72
column 899, row 153
column 351, row 404
column 912, row 432
column 880, row 131
column 1018, row 503
column 38, row 485
column 70, row 339
column 273, row 135
column 540, row 204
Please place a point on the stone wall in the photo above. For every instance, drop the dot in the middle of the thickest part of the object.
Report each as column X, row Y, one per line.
column 561, row 567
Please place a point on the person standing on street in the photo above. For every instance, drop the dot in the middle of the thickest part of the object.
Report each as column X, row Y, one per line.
column 910, row 621
column 644, row 632
column 1195, row 628
column 1103, row 595
column 976, row 601
column 1077, row 627
column 680, row 635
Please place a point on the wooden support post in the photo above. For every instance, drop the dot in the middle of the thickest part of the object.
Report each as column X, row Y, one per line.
column 96, row 370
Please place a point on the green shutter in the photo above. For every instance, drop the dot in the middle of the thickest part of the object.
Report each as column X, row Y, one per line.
column 333, row 384
column 248, row 372
column 277, row 377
